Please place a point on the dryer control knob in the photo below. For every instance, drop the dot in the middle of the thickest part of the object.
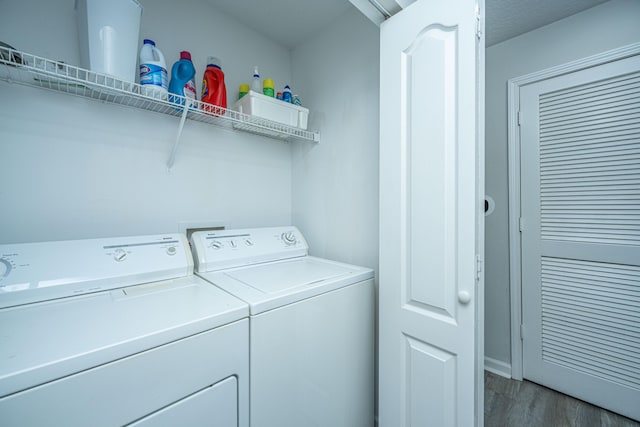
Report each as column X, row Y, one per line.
column 5, row 267
column 171, row 250
column 216, row 244
column 119, row 255
column 289, row 238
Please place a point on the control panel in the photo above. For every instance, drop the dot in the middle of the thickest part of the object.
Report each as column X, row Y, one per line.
column 218, row 249
column 32, row 272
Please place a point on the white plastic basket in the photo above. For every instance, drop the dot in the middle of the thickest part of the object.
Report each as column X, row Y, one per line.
column 259, row 105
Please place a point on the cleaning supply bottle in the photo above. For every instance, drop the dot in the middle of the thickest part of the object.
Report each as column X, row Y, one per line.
column 183, row 80
column 256, row 86
column 267, row 87
column 244, row 89
column 286, row 94
column 153, row 70
column 214, row 91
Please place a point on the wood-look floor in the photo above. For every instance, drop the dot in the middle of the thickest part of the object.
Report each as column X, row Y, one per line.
column 510, row 403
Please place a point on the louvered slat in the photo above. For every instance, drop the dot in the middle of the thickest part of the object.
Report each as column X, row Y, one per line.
column 590, row 162
column 600, row 88
column 582, row 118
column 618, row 101
column 598, row 319
column 591, row 318
column 595, row 351
column 597, row 331
column 609, row 143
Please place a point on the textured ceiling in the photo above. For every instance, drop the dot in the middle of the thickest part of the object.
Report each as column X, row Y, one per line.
column 509, row 18
column 291, row 22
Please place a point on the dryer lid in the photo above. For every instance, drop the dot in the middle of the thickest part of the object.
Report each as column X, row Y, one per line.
column 276, row 284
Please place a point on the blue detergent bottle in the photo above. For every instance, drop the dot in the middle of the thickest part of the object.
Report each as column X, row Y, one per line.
column 286, row 94
column 183, row 80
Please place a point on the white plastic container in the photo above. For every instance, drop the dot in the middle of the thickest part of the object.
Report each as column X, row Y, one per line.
column 256, row 84
column 108, row 34
column 153, row 70
column 259, row 105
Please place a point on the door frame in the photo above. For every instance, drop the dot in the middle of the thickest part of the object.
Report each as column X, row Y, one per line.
column 513, row 148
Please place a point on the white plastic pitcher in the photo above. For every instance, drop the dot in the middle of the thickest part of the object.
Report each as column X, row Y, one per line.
column 108, row 34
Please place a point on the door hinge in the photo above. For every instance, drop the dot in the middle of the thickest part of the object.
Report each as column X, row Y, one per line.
column 478, row 267
column 522, row 330
column 478, row 32
column 521, row 224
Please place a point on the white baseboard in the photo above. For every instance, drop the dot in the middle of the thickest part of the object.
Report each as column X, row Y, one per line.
column 497, row 367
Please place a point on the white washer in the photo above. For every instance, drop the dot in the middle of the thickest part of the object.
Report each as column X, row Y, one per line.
column 108, row 332
column 311, row 326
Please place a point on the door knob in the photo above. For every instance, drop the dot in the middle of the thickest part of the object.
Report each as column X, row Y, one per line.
column 464, row 297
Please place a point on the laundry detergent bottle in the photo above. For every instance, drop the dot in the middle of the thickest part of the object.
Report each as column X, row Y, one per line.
column 153, row 70
column 183, row 80
column 214, row 91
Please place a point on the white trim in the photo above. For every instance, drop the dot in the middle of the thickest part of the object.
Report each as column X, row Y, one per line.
column 497, row 367
column 515, row 261
column 480, row 218
column 515, row 283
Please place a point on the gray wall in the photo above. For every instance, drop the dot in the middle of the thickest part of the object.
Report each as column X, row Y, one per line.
column 75, row 168
column 335, row 183
column 604, row 27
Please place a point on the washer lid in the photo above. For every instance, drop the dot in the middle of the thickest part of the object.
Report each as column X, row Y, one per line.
column 279, row 277
column 275, row 284
column 44, row 341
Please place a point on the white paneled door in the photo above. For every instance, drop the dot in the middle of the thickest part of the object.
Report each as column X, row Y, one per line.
column 431, row 232
column 580, row 198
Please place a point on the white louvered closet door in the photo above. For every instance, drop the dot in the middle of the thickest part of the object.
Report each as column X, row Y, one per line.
column 580, row 199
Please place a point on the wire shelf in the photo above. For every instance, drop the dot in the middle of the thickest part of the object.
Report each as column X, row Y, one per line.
column 31, row 70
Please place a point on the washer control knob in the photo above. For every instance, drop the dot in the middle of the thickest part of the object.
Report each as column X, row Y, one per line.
column 171, row 250
column 5, row 267
column 248, row 242
column 216, row 244
column 233, row 243
column 289, row 238
column 119, row 255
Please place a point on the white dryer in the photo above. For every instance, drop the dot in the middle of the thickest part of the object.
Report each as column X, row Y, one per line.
column 311, row 326
column 118, row 331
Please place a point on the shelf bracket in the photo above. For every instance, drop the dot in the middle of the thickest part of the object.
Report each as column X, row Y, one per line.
column 174, row 150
